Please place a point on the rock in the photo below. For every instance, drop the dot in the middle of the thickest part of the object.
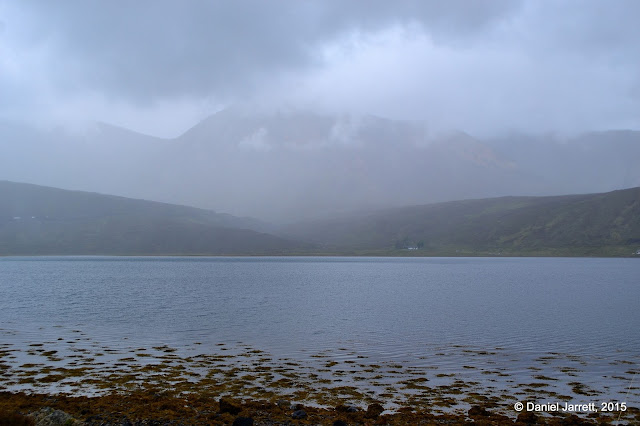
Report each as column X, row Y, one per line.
column 299, row 414
column 574, row 420
column 477, row 411
column 49, row 417
column 374, row 410
column 283, row 403
column 527, row 418
column 243, row 421
column 229, row 406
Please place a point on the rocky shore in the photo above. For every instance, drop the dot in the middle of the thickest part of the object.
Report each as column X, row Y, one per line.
column 77, row 381
column 160, row 407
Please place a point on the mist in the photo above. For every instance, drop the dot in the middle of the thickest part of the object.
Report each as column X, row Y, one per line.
column 292, row 165
column 315, row 109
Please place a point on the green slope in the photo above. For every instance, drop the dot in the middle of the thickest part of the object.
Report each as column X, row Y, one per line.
column 591, row 224
column 38, row 220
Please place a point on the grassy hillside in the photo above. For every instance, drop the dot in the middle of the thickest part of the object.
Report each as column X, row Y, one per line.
column 42, row 220
column 38, row 220
column 592, row 224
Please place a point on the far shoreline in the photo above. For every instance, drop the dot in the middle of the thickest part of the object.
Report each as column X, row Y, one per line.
column 366, row 254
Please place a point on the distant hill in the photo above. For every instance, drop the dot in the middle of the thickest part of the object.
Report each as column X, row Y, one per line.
column 592, row 224
column 37, row 220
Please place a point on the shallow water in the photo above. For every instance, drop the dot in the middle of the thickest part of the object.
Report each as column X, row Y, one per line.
column 499, row 324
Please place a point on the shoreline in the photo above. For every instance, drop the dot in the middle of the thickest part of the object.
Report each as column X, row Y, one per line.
column 161, row 407
column 385, row 254
column 157, row 385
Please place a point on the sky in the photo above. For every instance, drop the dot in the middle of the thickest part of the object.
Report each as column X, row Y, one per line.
column 158, row 66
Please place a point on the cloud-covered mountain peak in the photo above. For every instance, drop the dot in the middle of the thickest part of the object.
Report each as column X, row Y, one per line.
column 297, row 129
column 287, row 164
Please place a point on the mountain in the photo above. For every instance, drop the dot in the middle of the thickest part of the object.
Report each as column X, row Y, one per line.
column 292, row 165
column 37, row 220
column 591, row 224
column 304, row 165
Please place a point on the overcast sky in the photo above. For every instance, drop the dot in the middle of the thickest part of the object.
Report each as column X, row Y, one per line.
column 159, row 67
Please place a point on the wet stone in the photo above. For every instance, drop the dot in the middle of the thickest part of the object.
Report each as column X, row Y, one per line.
column 527, row 418
column 14, row 419
column 229, row 406
column 374, row 410
column 283, row 403
column 477, row 411
column 49, row 417
column 346, row 409
column 574, row 420
column 243, row 421
column 299, row 414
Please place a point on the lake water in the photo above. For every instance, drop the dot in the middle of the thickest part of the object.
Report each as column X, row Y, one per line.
column 497, row 323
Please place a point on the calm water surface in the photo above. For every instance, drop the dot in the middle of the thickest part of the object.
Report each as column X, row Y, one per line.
column 290, row 304
column 386, row 308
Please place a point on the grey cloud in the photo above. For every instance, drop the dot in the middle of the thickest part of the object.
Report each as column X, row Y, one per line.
column 588, row 28
column 142, row 53
column 150, row 49
column 145, row 50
